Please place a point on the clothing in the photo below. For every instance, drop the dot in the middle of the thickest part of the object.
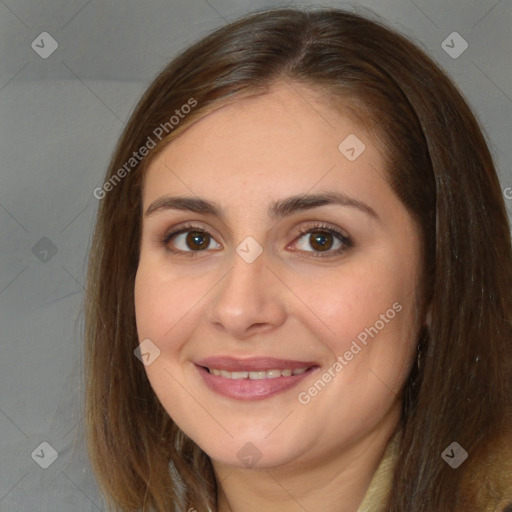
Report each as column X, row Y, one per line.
column 483, row 497
column 380, row 486
column 493, row 495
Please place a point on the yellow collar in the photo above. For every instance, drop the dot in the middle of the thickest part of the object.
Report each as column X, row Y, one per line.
column 488, row 484
column 380, row 485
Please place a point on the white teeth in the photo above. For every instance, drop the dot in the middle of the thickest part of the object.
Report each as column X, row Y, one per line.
column 239, row 375
column 257, row 375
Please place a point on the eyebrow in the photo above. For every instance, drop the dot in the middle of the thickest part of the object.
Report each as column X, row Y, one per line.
column 279, row 209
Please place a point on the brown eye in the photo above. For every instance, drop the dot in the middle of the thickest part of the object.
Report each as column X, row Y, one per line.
column 189, row 241
column 325, row 240
column 197, row 240
column 321, row 240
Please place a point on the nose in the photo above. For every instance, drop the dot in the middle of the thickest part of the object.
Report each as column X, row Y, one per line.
column 249, row 299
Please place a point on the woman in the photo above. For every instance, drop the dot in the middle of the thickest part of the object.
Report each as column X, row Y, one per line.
column 299, row 291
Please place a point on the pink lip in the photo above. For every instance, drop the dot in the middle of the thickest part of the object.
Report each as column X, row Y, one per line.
column 247, row 389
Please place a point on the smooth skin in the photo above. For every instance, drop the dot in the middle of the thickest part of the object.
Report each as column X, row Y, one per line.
column 298, row 300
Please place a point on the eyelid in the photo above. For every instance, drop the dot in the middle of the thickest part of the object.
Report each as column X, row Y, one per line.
column 185, row 228
column 320, row 226
column 188, row 226
column 343, row 238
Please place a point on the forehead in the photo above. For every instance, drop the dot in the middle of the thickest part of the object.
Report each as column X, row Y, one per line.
column 284, row 116
column 285, row 142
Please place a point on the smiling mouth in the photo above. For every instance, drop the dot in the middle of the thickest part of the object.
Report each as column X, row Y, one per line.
column 253, row 379
column 257, row 374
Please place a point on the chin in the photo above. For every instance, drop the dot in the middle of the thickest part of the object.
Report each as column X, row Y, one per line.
column 252, row 452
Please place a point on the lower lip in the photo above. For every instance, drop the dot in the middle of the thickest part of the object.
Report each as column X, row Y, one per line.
column 250, row 389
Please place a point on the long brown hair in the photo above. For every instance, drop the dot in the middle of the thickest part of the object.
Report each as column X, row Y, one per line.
column 439, row 165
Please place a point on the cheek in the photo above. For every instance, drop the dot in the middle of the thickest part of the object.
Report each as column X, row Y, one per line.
column 349, row 302
column 369, row 315
column 163, row 300
column 164, row 310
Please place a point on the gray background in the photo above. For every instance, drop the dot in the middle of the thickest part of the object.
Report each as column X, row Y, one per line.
column 60, row 118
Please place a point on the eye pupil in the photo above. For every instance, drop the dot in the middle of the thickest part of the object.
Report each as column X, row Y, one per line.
column 318, row 240
column 194, row 237
column 198, row 240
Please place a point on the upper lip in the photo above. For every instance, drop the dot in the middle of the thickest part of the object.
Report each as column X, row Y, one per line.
column 232, row 364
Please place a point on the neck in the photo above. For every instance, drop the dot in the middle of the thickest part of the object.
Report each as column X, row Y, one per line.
column 337, row 482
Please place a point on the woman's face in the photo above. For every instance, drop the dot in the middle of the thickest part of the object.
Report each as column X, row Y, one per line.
column 305, row 305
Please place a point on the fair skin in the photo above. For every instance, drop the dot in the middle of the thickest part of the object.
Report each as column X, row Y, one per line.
column 312, row 448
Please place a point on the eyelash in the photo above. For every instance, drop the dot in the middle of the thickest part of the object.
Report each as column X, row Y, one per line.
column 347, row 242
